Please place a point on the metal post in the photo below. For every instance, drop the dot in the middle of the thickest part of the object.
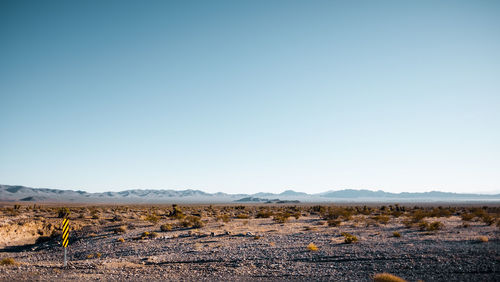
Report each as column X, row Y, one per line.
column 65, row 262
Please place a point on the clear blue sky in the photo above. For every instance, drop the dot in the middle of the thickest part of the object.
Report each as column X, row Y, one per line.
column 248, row 96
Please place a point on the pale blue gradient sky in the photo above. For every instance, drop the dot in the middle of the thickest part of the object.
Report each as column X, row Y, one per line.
column 248, row 96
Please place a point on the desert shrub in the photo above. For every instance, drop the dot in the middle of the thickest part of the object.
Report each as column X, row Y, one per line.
column 396, row 234
column 243, row 216
column 312, row 247
column 488, row 219
column 153, row 218
column 17, row 207
column 465, row 225
column 436, row 225
column 256, row 237
column 166, row 227
column 120, row 240
column 440, row 212
column 408, row 223
column 225, row 218
column 384, row 219
column 433, row 226
column 386, row 277
column 63, row 212
column 8, row 261
column 192, row 221
column 176, row 212
column 117, row 217
column 281, row 217
column 318, row 209
column 121, row 229
column 467, row 216
column 336, row 212
column 418, row 215
column 334, row 222
column 482, row 239
column 264, row 214
column 349, row 238
column 153, row 235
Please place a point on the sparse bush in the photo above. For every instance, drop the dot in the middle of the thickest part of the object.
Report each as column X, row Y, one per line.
column 121, row 229
column 153, row 218
column 312, row 247
column 121, row 240
column 349, row 238
column 489, row 220
column 264, row 214
column 8, row 261
column 384, row 219
column 153, row 235
column 467, row 216
column 166, row 227
column 386, row 277
column 281, row 217
column 176, row 212
column 396, row 234
column 225, row 218
column 436, row 225
column 482, row 239
column 243, row 216
column 63, row 212
column 334, row 222
column 192, row 221
column 336, row 212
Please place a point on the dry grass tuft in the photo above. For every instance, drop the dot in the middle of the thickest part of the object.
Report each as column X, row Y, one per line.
column 120, row 230
column 166, row 227
column 312, row 247
column 121, row 240
column 482, row 239
column 349, row 238
column 8, row 261
column 386, row 277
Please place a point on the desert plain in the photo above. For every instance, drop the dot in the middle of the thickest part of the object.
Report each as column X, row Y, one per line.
column 261, row 242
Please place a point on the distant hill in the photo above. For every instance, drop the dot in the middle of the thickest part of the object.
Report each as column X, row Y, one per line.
column 12, row 193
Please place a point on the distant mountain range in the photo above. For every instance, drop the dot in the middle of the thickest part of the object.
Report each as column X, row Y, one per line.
column 10, row 193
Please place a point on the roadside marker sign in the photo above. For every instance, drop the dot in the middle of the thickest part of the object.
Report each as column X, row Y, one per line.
column 65, row 237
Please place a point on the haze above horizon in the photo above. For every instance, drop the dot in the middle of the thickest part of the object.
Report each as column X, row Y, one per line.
column 251, row 96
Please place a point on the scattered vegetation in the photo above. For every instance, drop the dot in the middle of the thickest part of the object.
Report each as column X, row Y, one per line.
column 349, row 238
column 63, row 212
column 152, row 217
column 482, row 239
column 8, row 261
column 386, row 277
column 312, row 247
column 121, row 229
column 192, row 221
column 166, row 227
column 281, row 217
column 396, row 234
column 334, row 222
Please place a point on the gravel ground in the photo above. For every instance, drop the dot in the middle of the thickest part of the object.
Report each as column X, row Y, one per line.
column 280, row 253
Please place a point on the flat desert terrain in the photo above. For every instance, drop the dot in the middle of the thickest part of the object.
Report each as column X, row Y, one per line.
column 251, row 242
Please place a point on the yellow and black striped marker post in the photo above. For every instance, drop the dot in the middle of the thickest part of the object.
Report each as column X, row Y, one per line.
column 65, row 237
